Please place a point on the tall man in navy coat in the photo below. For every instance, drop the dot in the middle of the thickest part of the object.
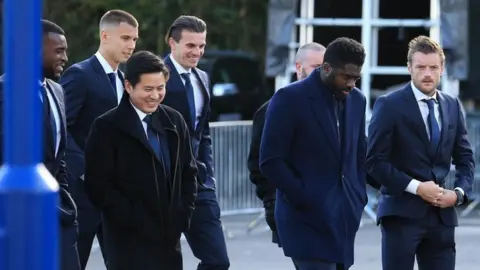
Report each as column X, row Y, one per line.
column 313, row 150
column 415, row 133
column 93, row 87
column 188, row 92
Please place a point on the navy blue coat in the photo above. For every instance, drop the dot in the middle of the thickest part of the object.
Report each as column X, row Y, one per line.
column 321, row 189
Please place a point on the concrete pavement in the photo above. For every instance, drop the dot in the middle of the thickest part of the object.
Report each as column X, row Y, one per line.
column 255, row 251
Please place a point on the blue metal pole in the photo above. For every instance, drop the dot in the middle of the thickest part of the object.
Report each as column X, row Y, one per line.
column 28, row 193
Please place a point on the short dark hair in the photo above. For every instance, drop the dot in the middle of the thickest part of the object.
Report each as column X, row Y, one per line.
column 116, row 17
column 343, row 51
column 185, row 22
column 51, row 27
column 144, row 62
column 424, row 45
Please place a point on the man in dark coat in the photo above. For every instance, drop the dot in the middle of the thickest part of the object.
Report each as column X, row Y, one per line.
column 308, row 58
column 140, row 172
column 313, row 151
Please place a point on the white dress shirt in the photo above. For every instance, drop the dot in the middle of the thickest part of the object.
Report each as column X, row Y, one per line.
column 420, row 97
column 56, row 114
column 197, row 88
column 108, row 69
column 141, row 115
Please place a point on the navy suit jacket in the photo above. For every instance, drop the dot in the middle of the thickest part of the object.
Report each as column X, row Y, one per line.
column 176, row 97
column 321, row 190
column 398, row 152
column 88, row 94
column 55, row 163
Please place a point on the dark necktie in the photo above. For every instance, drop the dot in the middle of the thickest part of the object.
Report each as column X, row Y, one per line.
column 48, row 114
column 158, row 144
column 190, row 97
column 433, row 125
column 113, row 80
column 153, row 138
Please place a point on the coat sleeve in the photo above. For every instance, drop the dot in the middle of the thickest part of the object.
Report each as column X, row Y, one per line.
column 75, row 94
column 205, row 151
column 277, row 138
column 380, row 138
column 264, row 189
column 189, row 174
column 462, row 156
column 99, row 171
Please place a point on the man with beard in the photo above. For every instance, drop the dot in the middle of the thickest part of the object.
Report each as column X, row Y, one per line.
column 416, row 133
column 313, row 151
column 55, row 137
column 93, row 87
column 308, row 58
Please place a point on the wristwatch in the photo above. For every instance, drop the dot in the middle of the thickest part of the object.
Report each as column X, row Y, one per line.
column 460, row 198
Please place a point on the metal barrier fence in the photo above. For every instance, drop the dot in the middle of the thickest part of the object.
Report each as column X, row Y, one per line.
column 236, row 194
column 231, row 144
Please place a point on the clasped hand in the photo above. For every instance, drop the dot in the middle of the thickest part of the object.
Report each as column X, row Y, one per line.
column 436, row 195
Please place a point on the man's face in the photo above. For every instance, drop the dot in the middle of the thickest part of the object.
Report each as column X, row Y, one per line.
column 426, row 70
column 189, row 49
column 342, row 80
column 54, row 55
column 120, row 41
column 148, row 93
column 312, row 60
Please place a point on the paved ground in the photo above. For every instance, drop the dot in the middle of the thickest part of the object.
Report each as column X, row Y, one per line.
column 254, row 251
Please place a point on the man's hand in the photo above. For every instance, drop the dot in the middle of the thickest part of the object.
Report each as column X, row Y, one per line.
column 448, row 199
column 430, row 192
column 270, row 215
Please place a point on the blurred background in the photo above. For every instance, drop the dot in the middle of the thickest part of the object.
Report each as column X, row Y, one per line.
column 251, row 45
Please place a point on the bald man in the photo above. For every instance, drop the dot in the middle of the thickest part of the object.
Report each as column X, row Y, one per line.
column 309, row 57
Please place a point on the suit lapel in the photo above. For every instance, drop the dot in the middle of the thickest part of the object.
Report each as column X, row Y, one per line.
column 206, row 97
column 321, row 103
column 175, row 84
column 104, row 85
column 57, row 94
column 412, row 112
column 444, row 114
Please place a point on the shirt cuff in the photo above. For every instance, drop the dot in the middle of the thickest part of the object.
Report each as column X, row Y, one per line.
column 461, row 191
column 413, row 186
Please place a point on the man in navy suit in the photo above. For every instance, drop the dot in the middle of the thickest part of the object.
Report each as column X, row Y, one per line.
column 93, row 87
column 415, row 133
column 55, row 137
column 188, row 93
column 313, row 151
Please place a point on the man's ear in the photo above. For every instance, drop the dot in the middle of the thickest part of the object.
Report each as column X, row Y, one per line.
column 128, row 87
column 326, row 67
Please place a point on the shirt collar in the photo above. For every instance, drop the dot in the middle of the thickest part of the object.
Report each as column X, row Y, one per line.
column 419, row 96
column 140, row 114
column 106, row 66
column 178, row 67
